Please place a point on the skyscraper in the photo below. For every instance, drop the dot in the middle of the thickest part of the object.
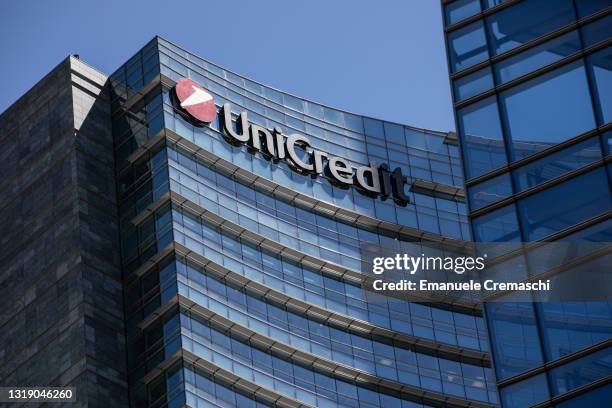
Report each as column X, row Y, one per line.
column 242, row 259
column 532, row 84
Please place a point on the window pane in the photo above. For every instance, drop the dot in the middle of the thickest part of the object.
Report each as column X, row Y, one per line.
column 537, row 57
column 571, row 326
column 525, row 393
column 460, row 10
column 497, row 226
column 575, row 200
column 489, row 192
column 482, row 137
column 467, row 46
column 523, row 22
column 598, row 397
column 547, row 110
column 597, row 31
column 514, row 337
column 557, row 164
column 586, row 7
column 600, row 64
column 473, row 84
column 581, row 372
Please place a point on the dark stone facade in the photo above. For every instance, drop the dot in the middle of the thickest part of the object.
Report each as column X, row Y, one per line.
column 61, row 304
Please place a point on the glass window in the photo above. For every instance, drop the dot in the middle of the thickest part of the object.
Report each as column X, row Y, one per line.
column 537, row 57
column 547, row 110
column 525, row 393
column 482, row 138
column 587, row 7
column 497, row 226
column 600, row 65
column 490, row 191
column 460, row 10
column 598, row 397
column 473, row 84
column 514, row 337
column 373, row 127
column 598, row 30
column 575, row 200
column 581, row 372
column 493, row 3
column 525, row 21
column 467, row 46
column 557, row 164
column 571, row 326
column 394, row 133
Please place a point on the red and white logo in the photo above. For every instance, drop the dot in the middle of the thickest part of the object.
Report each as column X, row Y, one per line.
column 195, row 100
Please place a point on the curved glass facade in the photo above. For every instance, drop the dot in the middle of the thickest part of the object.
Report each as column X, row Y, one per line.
column 212, row 242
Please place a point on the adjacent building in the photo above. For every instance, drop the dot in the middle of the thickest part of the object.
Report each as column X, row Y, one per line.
column 532, row 82
column 61, row 305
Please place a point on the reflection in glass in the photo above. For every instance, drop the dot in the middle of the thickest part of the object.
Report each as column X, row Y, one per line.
column 525, row 393
column 483, row 142
column 490, row 191
column 547, row 110
column 514, row 337
column 575, row 200
column 460, row 10
column 528, row 20
column 600, row 64
column 571, row 326
column 467, row 46
column 497, row 226
column 557, row 164
column 537, row 57
column 473, row 84
column 581, row 372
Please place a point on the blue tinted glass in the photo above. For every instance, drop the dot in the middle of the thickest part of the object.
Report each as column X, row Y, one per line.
column 481, row 134
column 598, row 30
column 537, row 57
column 497, row 226
column 460, row 10
column 601, row 232
column 571, row 326
column 525, row 393
column 575, row 200
column 514, row 337
column 581, row 372
column 600, row 64
column 607, row 142
column 467, row 46
column 599, row 397
column 394, row 133
column 490, row 191
column 548, row 109
column 586, row 7
column 557, row 164
column 373, row 127
column 523, row 22
column 473, row 84
column 493, row 3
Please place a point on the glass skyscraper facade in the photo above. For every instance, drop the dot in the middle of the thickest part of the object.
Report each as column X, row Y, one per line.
column 242, row 276
column 532, row 88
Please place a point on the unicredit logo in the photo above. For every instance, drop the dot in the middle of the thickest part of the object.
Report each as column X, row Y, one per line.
column 195, row 100
column 295, row 149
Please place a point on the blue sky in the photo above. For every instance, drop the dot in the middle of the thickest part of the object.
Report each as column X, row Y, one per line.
column 385, row 61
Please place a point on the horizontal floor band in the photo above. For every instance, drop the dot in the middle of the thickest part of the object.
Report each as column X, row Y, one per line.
column 333, row 319
column 226, row 378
